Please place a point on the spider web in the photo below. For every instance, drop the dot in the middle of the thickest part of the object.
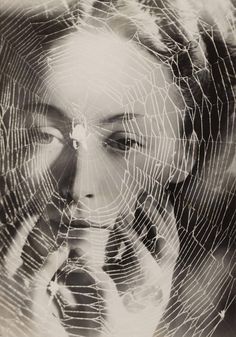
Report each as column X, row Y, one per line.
column 162, row 260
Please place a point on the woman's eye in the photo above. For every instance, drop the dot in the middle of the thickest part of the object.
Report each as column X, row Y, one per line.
column 49, row 135
column 46, row 138
column 123, row 143
column 126, row 144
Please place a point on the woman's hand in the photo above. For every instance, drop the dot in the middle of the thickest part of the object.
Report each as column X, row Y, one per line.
column 26, row 308
column 138, row 282
column 124, row 296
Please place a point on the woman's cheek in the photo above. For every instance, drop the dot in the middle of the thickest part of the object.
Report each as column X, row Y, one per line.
column 44, row 158
column 155, row 163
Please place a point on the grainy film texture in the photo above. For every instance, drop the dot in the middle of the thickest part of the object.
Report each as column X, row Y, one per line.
column 117, row 168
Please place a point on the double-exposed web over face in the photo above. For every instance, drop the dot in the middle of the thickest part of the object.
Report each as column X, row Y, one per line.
column 117, row 168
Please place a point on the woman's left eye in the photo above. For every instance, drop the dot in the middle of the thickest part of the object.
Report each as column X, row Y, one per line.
column 123, row 143
column 126, row 144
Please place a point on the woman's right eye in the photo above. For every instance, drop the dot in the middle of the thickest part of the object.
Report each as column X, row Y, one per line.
column 46, row 138
column 49, row 135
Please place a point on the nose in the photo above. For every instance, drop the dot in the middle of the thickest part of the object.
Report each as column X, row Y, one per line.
column 86, row 189
column 93, row 183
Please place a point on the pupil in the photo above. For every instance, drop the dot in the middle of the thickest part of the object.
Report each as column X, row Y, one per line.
column 129, row 143
column 46, row 138
column 125, row 144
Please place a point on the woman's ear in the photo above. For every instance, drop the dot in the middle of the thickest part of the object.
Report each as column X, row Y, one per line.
column 186, row 153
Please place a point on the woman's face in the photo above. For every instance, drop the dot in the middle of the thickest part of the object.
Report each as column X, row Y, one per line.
column 119, row 111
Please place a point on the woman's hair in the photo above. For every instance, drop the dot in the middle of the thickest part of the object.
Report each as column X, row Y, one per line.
column 198, row 48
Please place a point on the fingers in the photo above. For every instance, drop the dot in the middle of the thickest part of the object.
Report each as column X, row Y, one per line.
column 13, row 257
column 53, row 263
column 131, row 235
column 42, row 307
column 113, row 243
column 161, row 225
column 163, row 218
column 35, row 299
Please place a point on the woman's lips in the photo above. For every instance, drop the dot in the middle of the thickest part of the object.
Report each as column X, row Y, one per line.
column 72, row 216
column 82, row 223
column 78, row 228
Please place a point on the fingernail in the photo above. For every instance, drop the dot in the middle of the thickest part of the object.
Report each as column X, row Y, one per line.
column 64, row 248
column 64, row 245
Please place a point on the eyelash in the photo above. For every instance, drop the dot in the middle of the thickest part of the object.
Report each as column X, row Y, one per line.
column 122, row 143
column 48, row 134
column 46, row 138
column 118, row 141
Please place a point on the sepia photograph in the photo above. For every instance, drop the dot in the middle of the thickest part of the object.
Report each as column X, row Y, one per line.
column 117, row 168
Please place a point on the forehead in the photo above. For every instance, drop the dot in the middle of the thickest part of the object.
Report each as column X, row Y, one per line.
column 97, row 73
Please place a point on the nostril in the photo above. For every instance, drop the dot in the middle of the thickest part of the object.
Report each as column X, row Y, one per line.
column 66, row 194
column 89, row 196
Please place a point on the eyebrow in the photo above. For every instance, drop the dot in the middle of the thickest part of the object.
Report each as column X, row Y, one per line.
column 121, row 118
column 50, row 110
column 47, row 112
